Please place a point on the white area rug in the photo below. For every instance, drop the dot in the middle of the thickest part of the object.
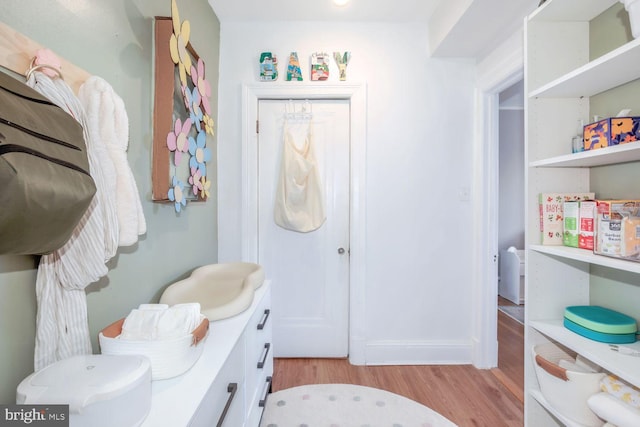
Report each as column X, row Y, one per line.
column 345, row 405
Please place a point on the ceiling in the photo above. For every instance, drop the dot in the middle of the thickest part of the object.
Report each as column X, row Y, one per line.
column 324, row 10
column 457, row 28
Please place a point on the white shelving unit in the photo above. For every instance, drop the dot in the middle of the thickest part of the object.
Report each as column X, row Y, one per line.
column 559, row 81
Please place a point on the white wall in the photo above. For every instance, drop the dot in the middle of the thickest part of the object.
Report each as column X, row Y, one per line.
column 511, row 179
column 418, row 161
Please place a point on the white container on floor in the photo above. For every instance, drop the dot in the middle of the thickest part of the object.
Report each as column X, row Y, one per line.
column 511, row 285
column 96, row 388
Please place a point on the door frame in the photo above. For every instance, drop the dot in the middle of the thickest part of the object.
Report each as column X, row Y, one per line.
column 493, row 79
column 356, row 95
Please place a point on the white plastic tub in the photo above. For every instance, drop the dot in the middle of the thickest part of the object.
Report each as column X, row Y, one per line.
column 100, row 390
column 568, row 388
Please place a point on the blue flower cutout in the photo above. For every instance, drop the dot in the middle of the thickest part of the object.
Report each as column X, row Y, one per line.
column 176, row 193
column 192, row 101
column 200, row 155
column 195, row 112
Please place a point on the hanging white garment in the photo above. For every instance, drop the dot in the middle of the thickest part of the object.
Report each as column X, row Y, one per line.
column 299, row 204
column 62, row 328
column 108, row 122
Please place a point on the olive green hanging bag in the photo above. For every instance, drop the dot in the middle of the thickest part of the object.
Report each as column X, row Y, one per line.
column 45, row 185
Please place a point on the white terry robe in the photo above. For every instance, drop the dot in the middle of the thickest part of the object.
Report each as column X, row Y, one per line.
column 62, row 328
column 107, row 118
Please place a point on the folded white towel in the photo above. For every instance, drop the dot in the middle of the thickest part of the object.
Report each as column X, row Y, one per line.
column 614, row 410
column 153, row 306
column 160, row 322
column 108, row 118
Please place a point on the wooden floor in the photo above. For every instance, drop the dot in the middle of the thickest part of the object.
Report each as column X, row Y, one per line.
column 510, row 352
column 465, row 395
column 462, row 393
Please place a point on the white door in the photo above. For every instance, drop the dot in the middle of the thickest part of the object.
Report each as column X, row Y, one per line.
column 309, row 271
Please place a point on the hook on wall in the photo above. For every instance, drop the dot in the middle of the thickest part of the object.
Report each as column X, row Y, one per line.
column 47, row 62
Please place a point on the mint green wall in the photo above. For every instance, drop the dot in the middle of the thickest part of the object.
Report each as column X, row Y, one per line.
column 609, row 30
column 610, row 288
column 114, row 40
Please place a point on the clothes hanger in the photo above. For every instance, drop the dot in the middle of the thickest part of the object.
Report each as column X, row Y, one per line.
column 305, row 113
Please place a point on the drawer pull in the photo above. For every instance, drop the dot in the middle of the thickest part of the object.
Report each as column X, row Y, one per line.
column 231, row 388
column 263, row 401
column 264, row 319
column 261, row 363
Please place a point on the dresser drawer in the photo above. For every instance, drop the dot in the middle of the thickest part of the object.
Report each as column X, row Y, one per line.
column 224, row 399
column 259, row 353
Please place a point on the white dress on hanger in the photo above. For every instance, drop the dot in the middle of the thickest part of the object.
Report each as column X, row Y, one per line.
column 299, row 204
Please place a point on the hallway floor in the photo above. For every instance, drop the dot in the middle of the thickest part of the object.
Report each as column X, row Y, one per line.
column 510, row 369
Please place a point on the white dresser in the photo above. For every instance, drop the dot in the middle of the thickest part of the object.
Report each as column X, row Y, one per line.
column 228, row 385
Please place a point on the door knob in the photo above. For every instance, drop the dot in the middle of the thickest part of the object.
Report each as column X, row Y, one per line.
column 341, row 251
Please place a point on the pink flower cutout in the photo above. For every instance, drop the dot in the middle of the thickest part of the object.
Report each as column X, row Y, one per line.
column 47, row 57
column 195, row 181
column 177, row 140
column 203, row 85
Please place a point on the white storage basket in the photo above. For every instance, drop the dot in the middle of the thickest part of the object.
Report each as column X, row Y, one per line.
column 169, row 358
column 565, row 389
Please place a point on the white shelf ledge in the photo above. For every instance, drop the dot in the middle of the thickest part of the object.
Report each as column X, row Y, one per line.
column 570, row 10
column 617, row 154
column 537, row 395
column 624, row 366
column 606, row 72
column 585, row 255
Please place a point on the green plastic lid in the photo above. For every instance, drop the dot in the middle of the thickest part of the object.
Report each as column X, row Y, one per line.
column 601, row 319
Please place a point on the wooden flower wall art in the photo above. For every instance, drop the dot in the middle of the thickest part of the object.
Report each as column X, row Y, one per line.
column 182, row 116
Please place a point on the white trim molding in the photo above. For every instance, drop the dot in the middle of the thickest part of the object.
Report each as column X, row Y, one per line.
column 357, row 96
column 392, row 352
column 497, row 72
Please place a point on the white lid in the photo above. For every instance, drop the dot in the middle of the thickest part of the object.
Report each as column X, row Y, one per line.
column 81, row 380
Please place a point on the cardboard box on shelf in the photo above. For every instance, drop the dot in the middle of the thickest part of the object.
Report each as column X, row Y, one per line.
column 571, row 213
column 587, row 224
column 551, row 214
column 610, row 217
column 578, row 224
column 630, row 234
column 611, row 131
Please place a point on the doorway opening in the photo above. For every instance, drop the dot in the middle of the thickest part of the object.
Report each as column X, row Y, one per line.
column 356, row 96
column 502, row 69
column 510, row 236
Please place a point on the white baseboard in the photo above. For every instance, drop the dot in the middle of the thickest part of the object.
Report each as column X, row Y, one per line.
column 418, row 353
